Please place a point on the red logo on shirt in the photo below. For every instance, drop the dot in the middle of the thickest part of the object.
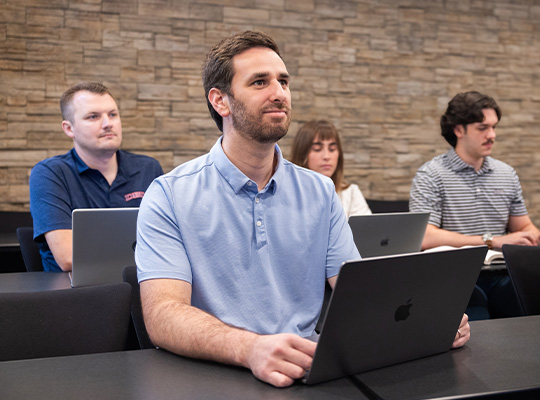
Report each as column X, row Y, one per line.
column 134, row 195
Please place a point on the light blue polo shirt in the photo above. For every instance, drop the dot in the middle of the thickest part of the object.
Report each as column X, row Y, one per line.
column 255, row 260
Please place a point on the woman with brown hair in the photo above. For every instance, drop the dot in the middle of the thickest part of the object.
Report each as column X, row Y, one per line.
column 317, row 146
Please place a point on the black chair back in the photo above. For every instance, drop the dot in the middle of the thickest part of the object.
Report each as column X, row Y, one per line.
column 11, row 220
column 52, row 323
column 130, row 276
column 29, row 249
column 388, row 206
column 523, row 264
column 11, row 259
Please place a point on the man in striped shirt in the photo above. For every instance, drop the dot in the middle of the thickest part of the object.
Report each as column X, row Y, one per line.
column 473, row 198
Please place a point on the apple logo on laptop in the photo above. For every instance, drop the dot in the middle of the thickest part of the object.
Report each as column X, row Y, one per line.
column 402, row 312
column 385, row 241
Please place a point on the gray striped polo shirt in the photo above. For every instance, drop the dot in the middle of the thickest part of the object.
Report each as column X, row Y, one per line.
column 463, row 200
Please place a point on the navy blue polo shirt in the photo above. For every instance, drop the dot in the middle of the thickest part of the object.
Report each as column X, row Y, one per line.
column 60, row 184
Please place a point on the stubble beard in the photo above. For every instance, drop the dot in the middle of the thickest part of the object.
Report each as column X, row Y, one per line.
column 252, row 127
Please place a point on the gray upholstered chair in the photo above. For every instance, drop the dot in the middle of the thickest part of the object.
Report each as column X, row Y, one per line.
column 29, row 249
column 523, row 264
column 388, row 206
column 92, row 319
column 130, row 276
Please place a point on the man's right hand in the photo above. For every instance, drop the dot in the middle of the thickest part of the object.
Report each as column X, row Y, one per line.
column 280, row 359
column 524, row 238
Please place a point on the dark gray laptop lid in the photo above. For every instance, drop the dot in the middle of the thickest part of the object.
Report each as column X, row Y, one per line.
column 391, row 233
column 103, row 244
column 391, row 309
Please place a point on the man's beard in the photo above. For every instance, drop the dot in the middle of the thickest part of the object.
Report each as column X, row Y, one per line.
column 252, row 126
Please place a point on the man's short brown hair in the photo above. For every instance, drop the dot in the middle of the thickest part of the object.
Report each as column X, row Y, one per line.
column 218, row 70
column 67, row 97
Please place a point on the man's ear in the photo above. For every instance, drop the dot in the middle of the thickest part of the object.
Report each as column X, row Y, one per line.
column 220, row 102
column 67, row 127
column 459, row 131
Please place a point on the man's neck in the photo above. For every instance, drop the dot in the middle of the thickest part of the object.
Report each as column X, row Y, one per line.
column 475, row 162
column 106, row 163
column 256, row 160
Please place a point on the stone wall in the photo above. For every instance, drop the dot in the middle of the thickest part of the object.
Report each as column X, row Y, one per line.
column 382, row 70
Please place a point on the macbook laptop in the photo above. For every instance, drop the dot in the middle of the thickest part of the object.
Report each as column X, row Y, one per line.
column 103, row 244
column 392, row 309
column 391, row 233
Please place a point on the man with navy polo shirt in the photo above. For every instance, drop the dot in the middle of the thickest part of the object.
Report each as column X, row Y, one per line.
column 94, row 174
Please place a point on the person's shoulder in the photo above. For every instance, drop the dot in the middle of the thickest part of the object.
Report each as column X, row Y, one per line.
column 306, row 179
column 436, row 164
column 500, row 165
column 56, row 162
column 353, row 187
column 138, row 158
column 305, row 173
column 191, row 168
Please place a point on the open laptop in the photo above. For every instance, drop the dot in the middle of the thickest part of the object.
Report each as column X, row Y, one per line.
column 103, row 244
column 391, row 233
column 392, row 309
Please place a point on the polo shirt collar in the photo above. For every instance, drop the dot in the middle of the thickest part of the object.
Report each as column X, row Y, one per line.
column 127, row 166
column 236, row 178
column 79, row 163
column 124, row 164
column 457, row 164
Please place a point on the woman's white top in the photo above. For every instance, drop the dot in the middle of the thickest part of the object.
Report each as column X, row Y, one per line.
column 353, row 201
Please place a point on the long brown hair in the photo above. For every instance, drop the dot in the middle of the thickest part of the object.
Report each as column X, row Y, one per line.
column 323, row 130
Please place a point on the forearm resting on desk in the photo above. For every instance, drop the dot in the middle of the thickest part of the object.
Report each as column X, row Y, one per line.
column 60, row 242
column 435, row 237
column 175, row 325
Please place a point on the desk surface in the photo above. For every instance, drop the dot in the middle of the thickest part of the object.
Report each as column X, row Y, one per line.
column 34, row 281
column 148, row 374
column 503, row 354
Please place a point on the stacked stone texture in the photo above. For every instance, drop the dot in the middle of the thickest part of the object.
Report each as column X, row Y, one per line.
column 381, row 70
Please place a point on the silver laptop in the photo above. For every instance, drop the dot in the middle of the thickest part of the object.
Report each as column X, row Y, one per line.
column 392, row 309
column 392, row 233
column 103, row 244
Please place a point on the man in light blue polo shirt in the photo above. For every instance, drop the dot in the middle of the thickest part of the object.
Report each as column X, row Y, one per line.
column 234, row 247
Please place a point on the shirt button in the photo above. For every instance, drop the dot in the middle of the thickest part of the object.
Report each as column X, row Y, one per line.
column 249, row 183
column 259, row 223
column 257, row 200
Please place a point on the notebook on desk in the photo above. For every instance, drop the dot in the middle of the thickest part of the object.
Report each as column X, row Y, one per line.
column 103, row 244
column 392, row 309
column 391, row 233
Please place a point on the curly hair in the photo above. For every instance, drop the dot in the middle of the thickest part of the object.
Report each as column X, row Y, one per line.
column 465, row 108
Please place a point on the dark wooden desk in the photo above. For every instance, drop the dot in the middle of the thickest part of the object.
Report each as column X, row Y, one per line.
column 34, row 281
column 148, row 374
column 503, row 355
